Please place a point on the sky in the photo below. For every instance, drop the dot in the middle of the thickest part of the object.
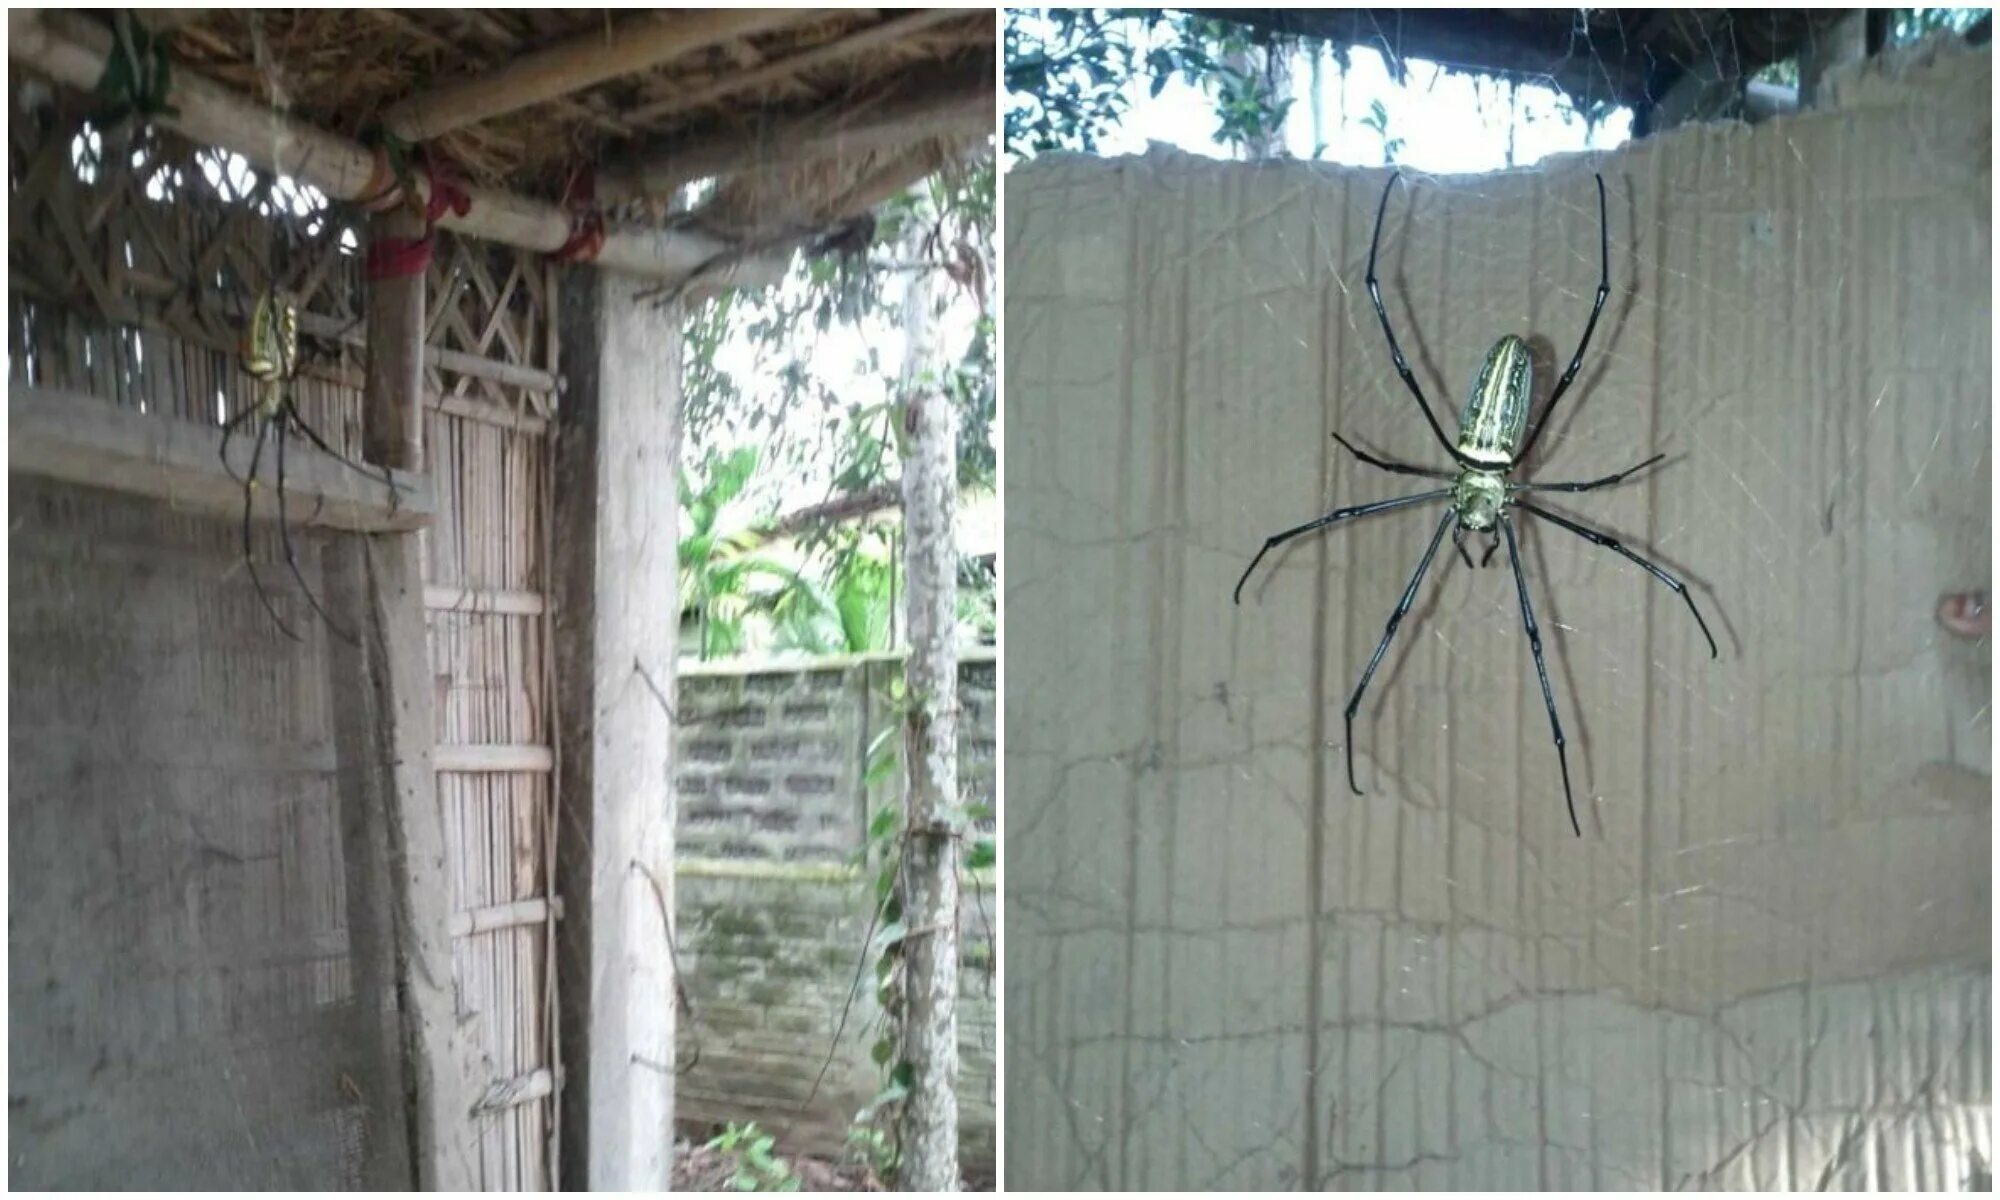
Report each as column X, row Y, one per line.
column 1449, row 122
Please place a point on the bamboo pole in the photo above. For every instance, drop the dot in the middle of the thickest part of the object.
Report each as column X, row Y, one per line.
column 847, row 47
column 72, row 51
column 578, row 63
column 955, row 103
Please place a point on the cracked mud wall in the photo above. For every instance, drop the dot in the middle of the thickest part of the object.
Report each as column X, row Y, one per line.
column 1767, row 961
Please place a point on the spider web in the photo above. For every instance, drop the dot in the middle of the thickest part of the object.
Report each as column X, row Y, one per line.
column 1752, row 964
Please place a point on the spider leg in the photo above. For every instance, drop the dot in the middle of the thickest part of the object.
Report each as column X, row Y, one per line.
column 249, row 558
column 1576, row 360
column 1395, row 619
column 1395, row 468
column 291, row 553
column 1492, row 547
column 1589, row 485
column 1458, row 544
column 1396, row 351
column 228, row 432
column 1338, row 514
column 1611, row 543
column 298, row 421
column 1541, row 668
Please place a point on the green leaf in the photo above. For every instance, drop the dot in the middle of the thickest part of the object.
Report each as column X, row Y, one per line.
column 904, row 1076
column 983, row 855
column 882, row 1052
column 884, row 823
column 897, row 1090
column 891, row 933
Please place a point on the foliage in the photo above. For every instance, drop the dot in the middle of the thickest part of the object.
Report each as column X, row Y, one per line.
column 1067, row 70
column 1905, row 25
column 1378, row 120
column 882, row 853
column 874, row 1148
column 724, row 584
column 756, row 1168
column 1912, row 24
column 978, row 608
column 800, row 404
column 806, row 421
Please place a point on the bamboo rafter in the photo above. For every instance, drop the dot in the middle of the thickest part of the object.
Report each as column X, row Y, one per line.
column 74, row 51
column 575, row 64
column 794, row 65
column 948, row 101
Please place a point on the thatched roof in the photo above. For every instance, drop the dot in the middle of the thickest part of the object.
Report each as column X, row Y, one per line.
column 346, row 70
column 804, row 117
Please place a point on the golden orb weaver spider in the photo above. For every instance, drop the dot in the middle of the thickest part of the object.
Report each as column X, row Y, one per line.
column 1494, row 438
column 270, row 355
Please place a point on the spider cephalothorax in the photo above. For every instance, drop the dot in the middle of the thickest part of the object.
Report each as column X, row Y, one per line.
column 1494, row 437
column 1477, row 496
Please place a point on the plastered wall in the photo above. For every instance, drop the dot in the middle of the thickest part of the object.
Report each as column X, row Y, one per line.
column 188, row 1002
column 1766, row 961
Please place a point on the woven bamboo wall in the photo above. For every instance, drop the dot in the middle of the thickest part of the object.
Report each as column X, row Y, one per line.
column 130, row 265
column 487, row 571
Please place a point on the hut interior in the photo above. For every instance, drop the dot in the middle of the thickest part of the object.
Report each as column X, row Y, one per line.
column 329, row 867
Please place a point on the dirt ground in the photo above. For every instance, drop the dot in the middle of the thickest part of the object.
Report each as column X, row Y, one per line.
column 700, row 1169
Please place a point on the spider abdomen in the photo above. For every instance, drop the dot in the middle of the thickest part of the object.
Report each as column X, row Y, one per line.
column 1496, row 414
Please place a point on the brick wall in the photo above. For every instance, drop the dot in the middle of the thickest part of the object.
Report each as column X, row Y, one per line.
column 773, row 912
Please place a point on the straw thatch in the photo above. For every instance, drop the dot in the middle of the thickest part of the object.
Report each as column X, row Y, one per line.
column 346, row 71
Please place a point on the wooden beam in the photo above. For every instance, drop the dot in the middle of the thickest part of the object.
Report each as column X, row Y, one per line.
column 77, row 438
column 617, row 437
column 576, row 64
column 860, row 41
column 72, row 50
column 394, row 392
column 945, row 103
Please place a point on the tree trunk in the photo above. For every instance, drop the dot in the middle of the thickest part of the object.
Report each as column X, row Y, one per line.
column 929, row 878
